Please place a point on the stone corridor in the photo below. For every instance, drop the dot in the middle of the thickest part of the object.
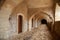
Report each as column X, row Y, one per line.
column 20, row 19
column 40, row 33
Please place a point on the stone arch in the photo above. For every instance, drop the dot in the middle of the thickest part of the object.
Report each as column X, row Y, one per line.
column 47, row 15
column 43, row 13
column 30, row 22
column 14, row 22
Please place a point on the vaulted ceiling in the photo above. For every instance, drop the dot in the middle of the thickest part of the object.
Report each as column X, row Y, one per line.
column 39, row 3
column 31, row 3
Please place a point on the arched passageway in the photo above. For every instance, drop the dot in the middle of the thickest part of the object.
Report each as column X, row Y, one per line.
column 43, row 21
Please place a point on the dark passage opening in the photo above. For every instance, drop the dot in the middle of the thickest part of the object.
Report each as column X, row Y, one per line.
column 32, row 22
column 19, row 24
column 43, row 21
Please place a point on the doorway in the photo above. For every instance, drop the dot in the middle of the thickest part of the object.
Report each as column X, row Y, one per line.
column 43, row 21
column 32, row 22
column 19, row 24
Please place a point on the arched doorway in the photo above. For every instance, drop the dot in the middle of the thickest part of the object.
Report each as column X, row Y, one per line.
column 43, row 21
column 19, row 24
column 32, row 22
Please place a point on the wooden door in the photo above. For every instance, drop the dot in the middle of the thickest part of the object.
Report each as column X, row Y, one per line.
column 19, row 24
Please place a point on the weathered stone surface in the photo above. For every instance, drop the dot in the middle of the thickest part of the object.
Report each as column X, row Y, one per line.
column 40, row 33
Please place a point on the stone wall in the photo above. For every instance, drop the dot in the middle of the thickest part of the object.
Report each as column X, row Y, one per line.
column 5, row 12
column 21, row 9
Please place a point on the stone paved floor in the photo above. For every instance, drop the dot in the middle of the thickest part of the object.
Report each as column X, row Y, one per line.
column 40, row 33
